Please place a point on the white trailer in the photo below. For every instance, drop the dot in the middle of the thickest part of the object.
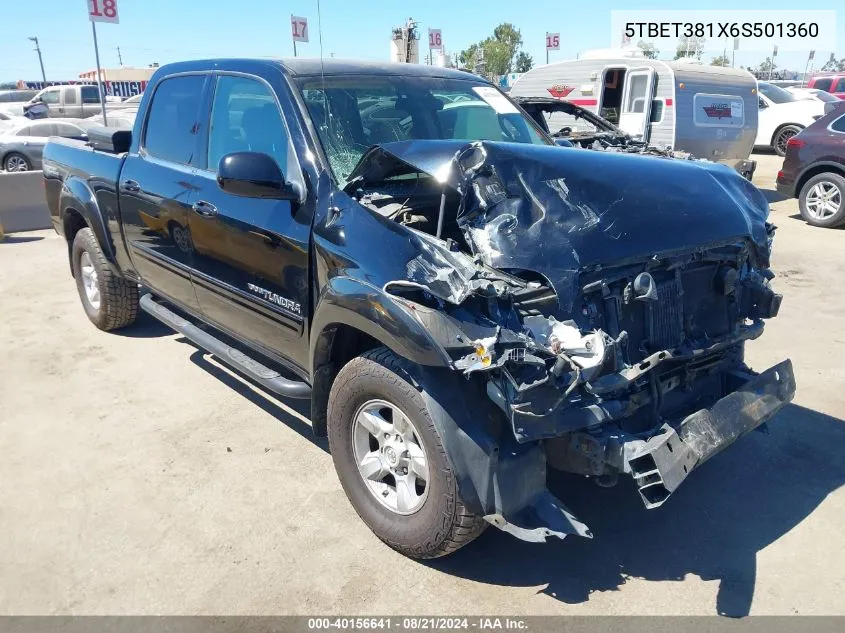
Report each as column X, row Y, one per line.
column 708, row 111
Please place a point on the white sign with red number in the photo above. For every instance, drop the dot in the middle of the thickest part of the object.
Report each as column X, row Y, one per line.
column 299, row 29
column 552, row 41
column 103, row 11
column 435, row 40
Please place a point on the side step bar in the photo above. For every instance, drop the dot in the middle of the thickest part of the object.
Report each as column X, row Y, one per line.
column 264, row 376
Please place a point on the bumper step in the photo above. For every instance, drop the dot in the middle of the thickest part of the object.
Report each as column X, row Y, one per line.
column 264, row 376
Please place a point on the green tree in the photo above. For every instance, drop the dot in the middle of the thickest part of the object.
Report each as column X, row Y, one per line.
column 690, row 47
column 721, row 60
column 648, row 49
column 762, row 70
column 497, row 54
column 832, row 65
column 524, row 62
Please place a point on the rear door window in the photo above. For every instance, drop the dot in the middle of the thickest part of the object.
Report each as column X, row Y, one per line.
column 839, row 124
column 90, row 94
column 68, row 130
column 840, row 85
column 173, row 120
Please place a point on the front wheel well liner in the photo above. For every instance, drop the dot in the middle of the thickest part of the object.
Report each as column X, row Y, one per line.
column 337, row 344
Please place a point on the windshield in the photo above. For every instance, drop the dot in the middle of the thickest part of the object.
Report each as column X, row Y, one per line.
column 364, row 111
column 821, row 95
column 775, row 94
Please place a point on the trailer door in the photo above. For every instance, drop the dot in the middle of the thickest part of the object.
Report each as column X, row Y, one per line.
column 636, row 102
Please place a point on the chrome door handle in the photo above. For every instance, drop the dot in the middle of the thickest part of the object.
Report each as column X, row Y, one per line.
column 203, row 208
column 131, row 185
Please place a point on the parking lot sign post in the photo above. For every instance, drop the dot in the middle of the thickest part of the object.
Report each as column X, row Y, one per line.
column 101, row 11
column 552, row 43
column 298, row 31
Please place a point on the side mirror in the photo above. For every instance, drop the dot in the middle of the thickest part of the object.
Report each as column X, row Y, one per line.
column 255, row 175
column 562, row 142
column 762, row 104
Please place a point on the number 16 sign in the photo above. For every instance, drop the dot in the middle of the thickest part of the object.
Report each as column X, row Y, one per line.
column 103, row 11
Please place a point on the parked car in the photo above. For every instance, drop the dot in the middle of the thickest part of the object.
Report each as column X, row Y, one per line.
column 16, row 96
column 814, row 170
column 813, row 94
column 120, row 118
column 782, row 116
column 73, row 101
column 460, row 312
column 834, row 83
column 22, row 144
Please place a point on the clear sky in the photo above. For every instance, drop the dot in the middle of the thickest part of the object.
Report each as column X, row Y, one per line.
column 170, row 30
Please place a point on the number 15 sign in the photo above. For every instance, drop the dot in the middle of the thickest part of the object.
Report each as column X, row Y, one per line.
column 103, row 11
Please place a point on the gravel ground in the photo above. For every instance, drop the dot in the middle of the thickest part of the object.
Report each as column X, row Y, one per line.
column 139, row 476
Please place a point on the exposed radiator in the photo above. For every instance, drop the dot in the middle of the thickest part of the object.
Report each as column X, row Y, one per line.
column 666, row 323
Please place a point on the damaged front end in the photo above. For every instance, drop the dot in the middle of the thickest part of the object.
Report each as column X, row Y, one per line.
column 604, row 316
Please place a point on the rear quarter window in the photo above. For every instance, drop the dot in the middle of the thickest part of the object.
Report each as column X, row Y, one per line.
column 839, row 124
column 173, row 119
column 823, row 84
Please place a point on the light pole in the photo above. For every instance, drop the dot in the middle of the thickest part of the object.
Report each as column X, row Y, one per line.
column 40, row 60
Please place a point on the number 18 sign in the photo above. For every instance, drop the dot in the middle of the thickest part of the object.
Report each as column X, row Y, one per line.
column 103, row 11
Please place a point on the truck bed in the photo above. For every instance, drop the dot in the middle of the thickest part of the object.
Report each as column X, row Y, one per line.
column 77, row 165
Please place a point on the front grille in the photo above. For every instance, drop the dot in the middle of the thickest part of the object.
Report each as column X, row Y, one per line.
column 667, row 315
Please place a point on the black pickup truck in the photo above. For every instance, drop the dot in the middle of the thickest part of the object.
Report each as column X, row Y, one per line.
column 463, row 302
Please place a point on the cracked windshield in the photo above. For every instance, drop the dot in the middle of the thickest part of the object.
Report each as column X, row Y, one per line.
column 366, row 111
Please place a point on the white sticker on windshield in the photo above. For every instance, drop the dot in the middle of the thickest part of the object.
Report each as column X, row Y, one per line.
column 495, row 100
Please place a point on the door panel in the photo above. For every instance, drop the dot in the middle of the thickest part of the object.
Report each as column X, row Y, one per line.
column 636, row 101
column 251, row 254
column 157, row 189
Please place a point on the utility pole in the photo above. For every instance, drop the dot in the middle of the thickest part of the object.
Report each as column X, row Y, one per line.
column 119, row 57
column 40, row 60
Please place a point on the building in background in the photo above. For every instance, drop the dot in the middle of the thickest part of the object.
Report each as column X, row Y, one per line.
column 121, row 82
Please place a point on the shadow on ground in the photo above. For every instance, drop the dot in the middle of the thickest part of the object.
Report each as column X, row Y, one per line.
column 257, row 396
column 772, row 195
column 20, row 239
column 713, row 527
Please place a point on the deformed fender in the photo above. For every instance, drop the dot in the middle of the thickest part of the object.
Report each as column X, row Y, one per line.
column 499, row 479
column 351, row 302
column 77, row 195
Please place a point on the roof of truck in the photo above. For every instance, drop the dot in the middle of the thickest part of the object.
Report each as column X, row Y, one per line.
column 301, row 66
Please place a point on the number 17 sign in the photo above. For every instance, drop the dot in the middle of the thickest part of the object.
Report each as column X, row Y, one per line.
column 103, row 11
column 299, row 29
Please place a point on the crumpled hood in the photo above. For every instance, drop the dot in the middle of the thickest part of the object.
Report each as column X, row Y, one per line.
column 553, row 211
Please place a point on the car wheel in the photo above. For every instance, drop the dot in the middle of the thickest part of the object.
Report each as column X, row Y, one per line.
column 782, row 136
column 110, row 301
column 822, row 200
column 391, row 460
column 16, row 162
column 181, row 236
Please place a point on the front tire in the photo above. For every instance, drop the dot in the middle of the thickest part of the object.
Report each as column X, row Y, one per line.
column 391, row 460
column 110, row 301
column 822, row 200
column 782, row 136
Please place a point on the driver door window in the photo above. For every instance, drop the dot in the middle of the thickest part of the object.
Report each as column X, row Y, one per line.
column 50, row 96
column 246, row 118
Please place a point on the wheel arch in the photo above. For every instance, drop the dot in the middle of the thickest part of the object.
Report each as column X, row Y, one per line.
column 352, row 318
column 814, row 170
column 79, row 209
column 780, row 127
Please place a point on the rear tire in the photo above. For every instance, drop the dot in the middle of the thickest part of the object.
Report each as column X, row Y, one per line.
column 782, row 136
column 16, row 162
column 436, row 522
column 822, row 200
column 110, row 301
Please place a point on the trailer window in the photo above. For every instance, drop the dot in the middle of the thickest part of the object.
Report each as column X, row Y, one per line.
column 718, row 110
column 657, row 106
